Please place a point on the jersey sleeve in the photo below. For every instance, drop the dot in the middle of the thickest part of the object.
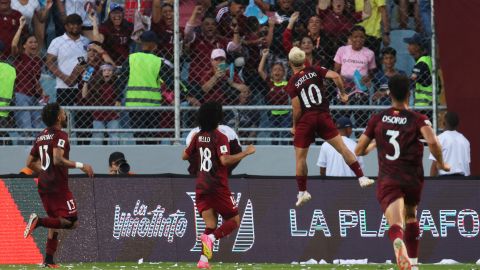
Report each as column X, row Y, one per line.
column 60, row 140
column 422, row 121
column 34, row 150
column 223, row 147
column 191, row 146
column 321, row 71
column 370, row 130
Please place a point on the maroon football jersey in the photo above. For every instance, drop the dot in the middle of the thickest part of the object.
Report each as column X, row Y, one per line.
column 52, row 178
column 308, row 86
column 400, row 152
column 211, row 174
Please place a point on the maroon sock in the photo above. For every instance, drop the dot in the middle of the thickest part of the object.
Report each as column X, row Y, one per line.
column 226, row 228
column 51, row 248
column 355, row 166
column 51, row 223
column 301, row 182
column 395, row 232
column 208, row 231
column 412, row 232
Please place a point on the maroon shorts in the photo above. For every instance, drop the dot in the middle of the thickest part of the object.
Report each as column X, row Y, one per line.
column 312, row 124
column 389, row 191
column 59, row 204
column 223, row 203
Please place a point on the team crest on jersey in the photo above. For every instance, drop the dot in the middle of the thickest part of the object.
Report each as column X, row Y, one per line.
column 223, row 149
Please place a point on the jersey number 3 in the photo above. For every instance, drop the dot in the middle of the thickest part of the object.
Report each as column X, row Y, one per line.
column 312, row 91
column 393, row 141
column 44, row 157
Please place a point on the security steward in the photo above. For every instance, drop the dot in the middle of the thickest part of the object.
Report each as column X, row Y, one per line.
column 8, row 75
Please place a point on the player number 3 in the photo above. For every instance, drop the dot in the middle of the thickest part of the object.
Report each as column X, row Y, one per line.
column 205, row 159
column 393, row 140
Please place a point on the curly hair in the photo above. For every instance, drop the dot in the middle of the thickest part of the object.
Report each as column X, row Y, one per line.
column 50, row 114
column 209, row 115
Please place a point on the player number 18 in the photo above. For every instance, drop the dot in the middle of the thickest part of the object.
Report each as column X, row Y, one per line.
column 205, row 159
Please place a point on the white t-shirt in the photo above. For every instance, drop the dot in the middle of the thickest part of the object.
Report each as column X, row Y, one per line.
column 228, row 131
column 78, row 6
column 67, row 52
column 456, row 152
column 329, row 158
column 27, row 10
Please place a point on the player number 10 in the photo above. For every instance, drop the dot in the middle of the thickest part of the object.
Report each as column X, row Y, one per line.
column 310, row 99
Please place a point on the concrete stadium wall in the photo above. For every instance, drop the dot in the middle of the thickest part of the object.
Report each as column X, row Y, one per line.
column 268, row 160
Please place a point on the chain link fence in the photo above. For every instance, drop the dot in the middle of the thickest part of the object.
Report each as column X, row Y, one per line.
column 234, row 52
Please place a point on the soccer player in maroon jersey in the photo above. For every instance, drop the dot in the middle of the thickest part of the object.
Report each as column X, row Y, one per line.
column 213, row 194
column 49, row 158
column 311, row 117
column 397, row 132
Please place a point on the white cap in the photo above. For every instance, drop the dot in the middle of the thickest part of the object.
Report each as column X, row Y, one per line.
column 218, row 53
column 296, row 56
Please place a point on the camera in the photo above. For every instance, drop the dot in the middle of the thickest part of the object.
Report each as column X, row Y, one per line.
column 123, row 166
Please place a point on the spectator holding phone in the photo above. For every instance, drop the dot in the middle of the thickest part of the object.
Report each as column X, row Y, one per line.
column 63, row 54
column 218, row 84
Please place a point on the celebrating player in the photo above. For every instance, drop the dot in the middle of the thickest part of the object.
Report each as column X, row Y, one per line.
column 49, row 158
column 213, row 195
column 311, row 115
column 397, row 132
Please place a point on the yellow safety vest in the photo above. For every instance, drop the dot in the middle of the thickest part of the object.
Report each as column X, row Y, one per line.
column 143, row 87
column 280, row 112
column 8, row 75
column 423, row 94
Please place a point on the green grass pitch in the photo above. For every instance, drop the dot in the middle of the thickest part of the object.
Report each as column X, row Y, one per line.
column 235, row 266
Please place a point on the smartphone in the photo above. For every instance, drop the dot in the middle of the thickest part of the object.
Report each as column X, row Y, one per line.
column 81, row 60
column 223, row 66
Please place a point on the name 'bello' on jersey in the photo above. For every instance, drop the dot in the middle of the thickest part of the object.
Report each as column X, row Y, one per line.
column 308, row 86
column 51, row 178
column 211, row 175
column 400, row 151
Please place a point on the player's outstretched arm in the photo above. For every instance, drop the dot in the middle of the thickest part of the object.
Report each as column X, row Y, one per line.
column 33, row 164
column 362, row 145
column 228, row 160
column 59, row 160
column 435, row 147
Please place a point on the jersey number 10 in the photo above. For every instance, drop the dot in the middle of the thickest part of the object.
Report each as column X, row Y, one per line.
column 313, row 90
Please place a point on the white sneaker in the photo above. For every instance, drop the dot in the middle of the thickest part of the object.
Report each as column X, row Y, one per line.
column 302, row 198
column 32, row 223
column 365, row 181
column 403, row 261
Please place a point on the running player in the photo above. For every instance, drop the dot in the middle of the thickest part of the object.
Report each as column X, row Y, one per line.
column 49, row 158
column 397, row 132
column 213, row 194
column 311, row 117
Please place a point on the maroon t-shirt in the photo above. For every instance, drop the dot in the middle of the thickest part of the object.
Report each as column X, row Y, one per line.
column 102, row 93
column 52, row 178
column 8, row 27
column 165, row 39
column 400, row 152
column 117, row 41
column 201, row 50
column 308, row 86
column 339, row 25
column 277, row 95
column 212, row 176
column 29, row 70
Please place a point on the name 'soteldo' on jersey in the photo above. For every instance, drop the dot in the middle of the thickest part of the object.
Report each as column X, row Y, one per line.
column 304, row 78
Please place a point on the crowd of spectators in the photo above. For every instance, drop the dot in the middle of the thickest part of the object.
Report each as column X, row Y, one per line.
column 226, row 55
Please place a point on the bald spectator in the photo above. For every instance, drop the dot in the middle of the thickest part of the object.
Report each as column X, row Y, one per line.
column 331, row 163
column 455, row 148
column 9, row 23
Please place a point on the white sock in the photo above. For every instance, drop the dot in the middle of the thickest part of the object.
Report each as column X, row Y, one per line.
column 212, row 237
column 203, row 258
column 300, row 193
column 414, row 261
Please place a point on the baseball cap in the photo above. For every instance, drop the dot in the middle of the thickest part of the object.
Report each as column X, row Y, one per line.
column 296, row 56
column 343, row 122
column 116, row 7
column 149, row 36
column 216, row 53
column 73, row 19
column 115, row 156
column 417, row 39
